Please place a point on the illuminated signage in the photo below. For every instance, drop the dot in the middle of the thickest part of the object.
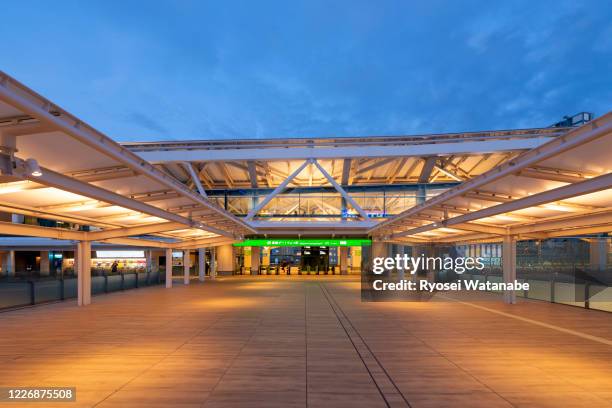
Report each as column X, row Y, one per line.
column 291, row 242
column 120, row 254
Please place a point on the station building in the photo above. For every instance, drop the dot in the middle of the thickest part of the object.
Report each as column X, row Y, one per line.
column 82, row 214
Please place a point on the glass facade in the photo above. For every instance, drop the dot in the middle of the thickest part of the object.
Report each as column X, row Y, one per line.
column 571, row 271
column 324, row 203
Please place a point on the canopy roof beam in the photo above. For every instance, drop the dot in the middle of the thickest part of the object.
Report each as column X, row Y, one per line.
column 428, row 166
column 252, row 173
column 197, row 243
column 591, row 218
column 375, row 165
column 600, row 183
column 66, row 234
column 346, row 171
column 195, row 178
column 53, row 179
column 574, row 138
column 449, row 173
column 52, row 215
column 130, row 231
column 563, row 176
column 337, row 151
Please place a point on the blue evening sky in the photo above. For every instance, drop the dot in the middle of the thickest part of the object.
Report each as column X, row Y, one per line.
column 159, row 70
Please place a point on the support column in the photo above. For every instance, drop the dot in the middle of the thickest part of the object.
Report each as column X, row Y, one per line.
column 509, row 266
column 254, row 200
column 201, row 264
column 168, row 267
column 186, row 265
column 381, row 249
column 355, row 258
column 343, row 260
column 255, row 251
column 421, row 196
column 8, row 263
column 428, row 250
column 83, row 264
column 64, row 263
column 148, row 258
column 75, row 266
column 44, row 263
column 155, row 260
column 401, row 273
column 265, row 256
column 225, row 260
column 213, row 263
column 598, row 254
column 11, row 263
column 366, row 263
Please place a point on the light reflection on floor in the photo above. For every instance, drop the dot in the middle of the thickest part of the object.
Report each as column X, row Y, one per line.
column 271, row 342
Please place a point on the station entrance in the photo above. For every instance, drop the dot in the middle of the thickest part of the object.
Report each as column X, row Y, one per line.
column 294, row 257
column 315, row 258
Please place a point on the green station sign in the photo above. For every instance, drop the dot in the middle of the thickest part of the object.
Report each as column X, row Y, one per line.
column 292, row 242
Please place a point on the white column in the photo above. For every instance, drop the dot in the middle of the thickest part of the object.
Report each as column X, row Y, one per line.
column 84, row 272
column 8, row 263
column 509, row 266
column 255, row 251
column 44, row 263
column 186, row 265
column 201, row 264
column 343, row 260
column 168, row 267
column 225, row 259
column 213, row 263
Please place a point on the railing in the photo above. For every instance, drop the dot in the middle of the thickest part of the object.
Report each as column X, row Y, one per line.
column 30, row 289
column 559, row 289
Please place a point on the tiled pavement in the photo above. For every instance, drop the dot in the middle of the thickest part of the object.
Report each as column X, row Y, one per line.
column 290, row 342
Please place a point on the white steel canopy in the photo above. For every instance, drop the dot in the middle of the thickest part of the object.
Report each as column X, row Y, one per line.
column 88, row 179
column 351, row 160
column 559, row 189
column 529, row 182
column 261, row 171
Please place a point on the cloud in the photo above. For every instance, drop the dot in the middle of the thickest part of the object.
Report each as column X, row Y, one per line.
column 147, row 122
column 205, row 70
